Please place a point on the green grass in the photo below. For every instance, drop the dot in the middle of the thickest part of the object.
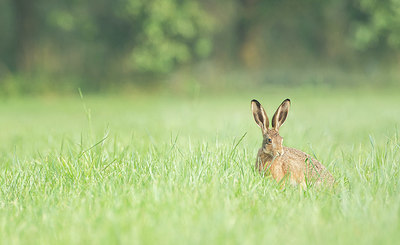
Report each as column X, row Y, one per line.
column 161, row 169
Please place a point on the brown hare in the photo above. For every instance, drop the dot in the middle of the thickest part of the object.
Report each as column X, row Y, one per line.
column 284, row 162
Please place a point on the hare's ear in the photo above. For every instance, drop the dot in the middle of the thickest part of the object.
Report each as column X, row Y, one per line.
column 280, row 115
column 259, row 115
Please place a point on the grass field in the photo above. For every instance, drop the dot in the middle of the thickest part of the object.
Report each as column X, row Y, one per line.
column 162, row 169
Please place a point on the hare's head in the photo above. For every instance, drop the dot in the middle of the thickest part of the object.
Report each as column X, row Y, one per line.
column 272, row 141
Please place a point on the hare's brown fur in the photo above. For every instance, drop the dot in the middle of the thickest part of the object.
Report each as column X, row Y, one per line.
column 284, row 162
column 297, row 165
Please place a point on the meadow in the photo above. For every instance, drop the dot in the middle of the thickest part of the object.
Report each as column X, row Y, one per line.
column 160, row 168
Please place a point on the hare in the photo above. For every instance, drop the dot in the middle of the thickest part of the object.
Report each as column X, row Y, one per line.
column 281, row 162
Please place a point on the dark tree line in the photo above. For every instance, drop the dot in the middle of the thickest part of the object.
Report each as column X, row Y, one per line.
column 98, row 39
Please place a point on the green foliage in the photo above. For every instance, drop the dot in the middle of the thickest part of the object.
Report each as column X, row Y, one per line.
column 382, row 26
column 100, row 39
column 173, row 32
column 103, row 42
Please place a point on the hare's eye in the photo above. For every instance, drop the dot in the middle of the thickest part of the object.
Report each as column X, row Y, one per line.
column 268, row 141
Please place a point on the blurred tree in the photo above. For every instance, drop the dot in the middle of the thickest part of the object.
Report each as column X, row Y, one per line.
column 25, row 32
column 100, row 37
column 171, row 32
column 290, row 31
column 97, row 41
column 152, row 36
column 382, row 25
column 7, row 27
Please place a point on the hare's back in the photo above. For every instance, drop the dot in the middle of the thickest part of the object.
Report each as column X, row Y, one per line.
column 298, row 161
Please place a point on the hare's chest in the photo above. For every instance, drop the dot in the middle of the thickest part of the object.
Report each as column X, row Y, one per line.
column 278, row 169
column 273, row 167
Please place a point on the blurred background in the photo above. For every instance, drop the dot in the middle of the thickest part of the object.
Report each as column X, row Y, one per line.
column 102, row 45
